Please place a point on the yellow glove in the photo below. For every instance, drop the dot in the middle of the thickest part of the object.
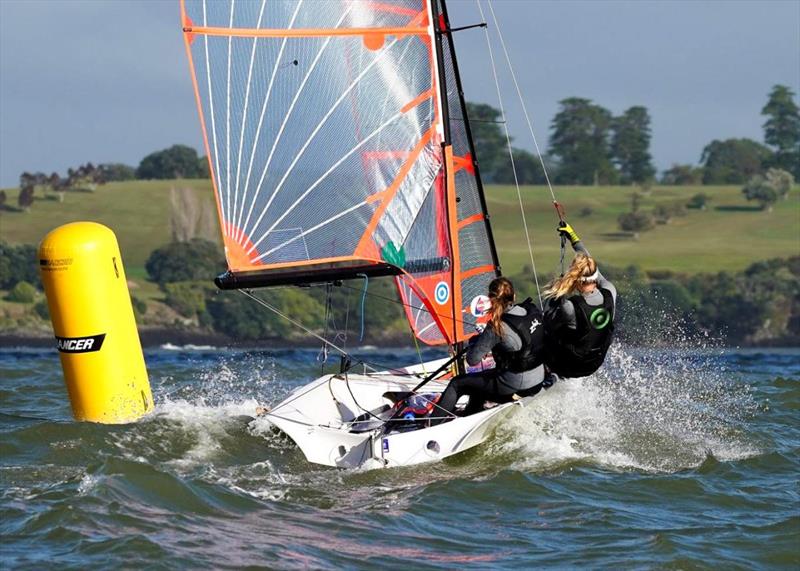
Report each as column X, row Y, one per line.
column 568, row 232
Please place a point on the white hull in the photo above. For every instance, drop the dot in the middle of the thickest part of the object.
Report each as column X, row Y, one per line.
column 319, row 418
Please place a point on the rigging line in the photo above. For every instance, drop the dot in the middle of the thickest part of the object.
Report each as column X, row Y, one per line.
column 363, row 299
column 228, row 117
column 244, row 119
column 511, row 155
column 521, row 100
column 261, row 117
column 300, row 89
column 213, row 122
column 471, row 120
column 370, row 364
column 323, row 354
column 320, row 179
column 279, row 313
column 322, row 123
column 409, row 305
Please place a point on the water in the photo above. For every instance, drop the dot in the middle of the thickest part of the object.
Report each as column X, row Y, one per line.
column 670, row 459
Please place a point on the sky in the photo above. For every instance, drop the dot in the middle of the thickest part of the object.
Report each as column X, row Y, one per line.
column 109, row 81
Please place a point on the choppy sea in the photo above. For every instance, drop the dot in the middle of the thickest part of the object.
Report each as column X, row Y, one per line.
column 667, row 459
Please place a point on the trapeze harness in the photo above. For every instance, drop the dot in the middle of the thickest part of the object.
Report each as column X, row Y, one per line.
column 530, row 328
column 582, row 352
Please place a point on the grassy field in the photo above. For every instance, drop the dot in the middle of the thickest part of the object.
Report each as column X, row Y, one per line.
column 729, row 235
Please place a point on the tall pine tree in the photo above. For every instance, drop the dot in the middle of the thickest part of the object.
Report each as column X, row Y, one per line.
column 580, row 141
column 782, row 129
column 630, row 145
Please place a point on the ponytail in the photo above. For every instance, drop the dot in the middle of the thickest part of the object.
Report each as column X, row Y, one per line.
column 582, row 270
column 501, row 295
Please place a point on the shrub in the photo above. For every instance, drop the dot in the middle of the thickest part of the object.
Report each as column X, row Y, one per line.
column 585, row 212
column 42, row 310
column 23, row 292
column 188, row 298
column 139, row 306
column 635, row 221
column 699, row 201
column 242, row 318
column 17, row 264
column 196, row 259
column 762, row 191
column 781, row 181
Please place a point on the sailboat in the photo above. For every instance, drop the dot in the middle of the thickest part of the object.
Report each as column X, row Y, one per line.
column 339, row 148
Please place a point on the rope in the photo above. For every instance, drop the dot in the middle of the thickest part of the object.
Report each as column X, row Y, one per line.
column 511, row 151
column 323, row 353
column 521, row 99
column 278, row 312
column 363, row 299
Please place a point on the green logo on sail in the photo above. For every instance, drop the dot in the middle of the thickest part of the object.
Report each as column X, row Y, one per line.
column 600, row 318
column 391, row 254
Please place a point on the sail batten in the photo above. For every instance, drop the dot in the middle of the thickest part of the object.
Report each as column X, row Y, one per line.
column 332, row 150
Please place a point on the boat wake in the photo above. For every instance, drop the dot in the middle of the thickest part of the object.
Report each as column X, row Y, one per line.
column 649, row 410
column 646, row 410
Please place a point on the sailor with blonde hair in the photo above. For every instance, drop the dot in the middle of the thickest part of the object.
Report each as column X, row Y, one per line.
column 579, row 314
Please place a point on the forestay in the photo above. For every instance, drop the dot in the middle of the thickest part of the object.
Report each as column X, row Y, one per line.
column 338, row 146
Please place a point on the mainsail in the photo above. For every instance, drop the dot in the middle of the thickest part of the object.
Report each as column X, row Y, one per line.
column 339, row 146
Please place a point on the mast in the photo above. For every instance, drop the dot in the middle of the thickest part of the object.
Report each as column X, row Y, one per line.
column 445, row 120
column 447, row 33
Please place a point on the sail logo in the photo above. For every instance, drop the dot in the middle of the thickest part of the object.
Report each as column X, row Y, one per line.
column 479, row 305
column 441, row 293
column 80, row 344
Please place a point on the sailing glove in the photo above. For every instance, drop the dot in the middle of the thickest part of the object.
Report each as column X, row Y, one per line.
column 568, row 232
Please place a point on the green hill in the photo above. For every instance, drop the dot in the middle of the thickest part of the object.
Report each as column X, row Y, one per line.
column 729, row 235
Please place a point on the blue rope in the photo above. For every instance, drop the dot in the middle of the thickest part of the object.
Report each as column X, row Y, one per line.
column 363, row 299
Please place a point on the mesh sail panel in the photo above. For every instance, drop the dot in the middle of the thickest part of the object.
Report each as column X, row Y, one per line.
column 322, row 125
column 296, row 100
column 476, row 266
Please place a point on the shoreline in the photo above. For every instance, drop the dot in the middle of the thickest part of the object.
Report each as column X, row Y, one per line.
column 158, row 337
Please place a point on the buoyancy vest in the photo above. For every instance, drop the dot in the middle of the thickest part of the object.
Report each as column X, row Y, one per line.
column 581, row 352
column 530, row 329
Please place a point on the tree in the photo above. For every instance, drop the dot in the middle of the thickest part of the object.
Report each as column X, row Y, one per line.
column 25, row 198
column 18, row 263
column 782, row 129
column 527, row 165
column 781, row 181
column 179, row 161
column 491, row 147
column 202, row 167
column 760, row 189
column 117, row 172
column 3, row 199
column 733, row 161
column 240, row 318
column 580, row 141
column 196, row 259
column 630, row 145
column 682, row 175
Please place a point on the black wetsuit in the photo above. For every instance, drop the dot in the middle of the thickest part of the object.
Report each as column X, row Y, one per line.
column 519, row 349
column 580, row 328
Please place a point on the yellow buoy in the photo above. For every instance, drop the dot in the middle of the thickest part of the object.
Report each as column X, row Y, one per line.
column 94, row 326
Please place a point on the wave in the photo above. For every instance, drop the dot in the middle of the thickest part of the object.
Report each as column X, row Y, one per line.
column 189, row 347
